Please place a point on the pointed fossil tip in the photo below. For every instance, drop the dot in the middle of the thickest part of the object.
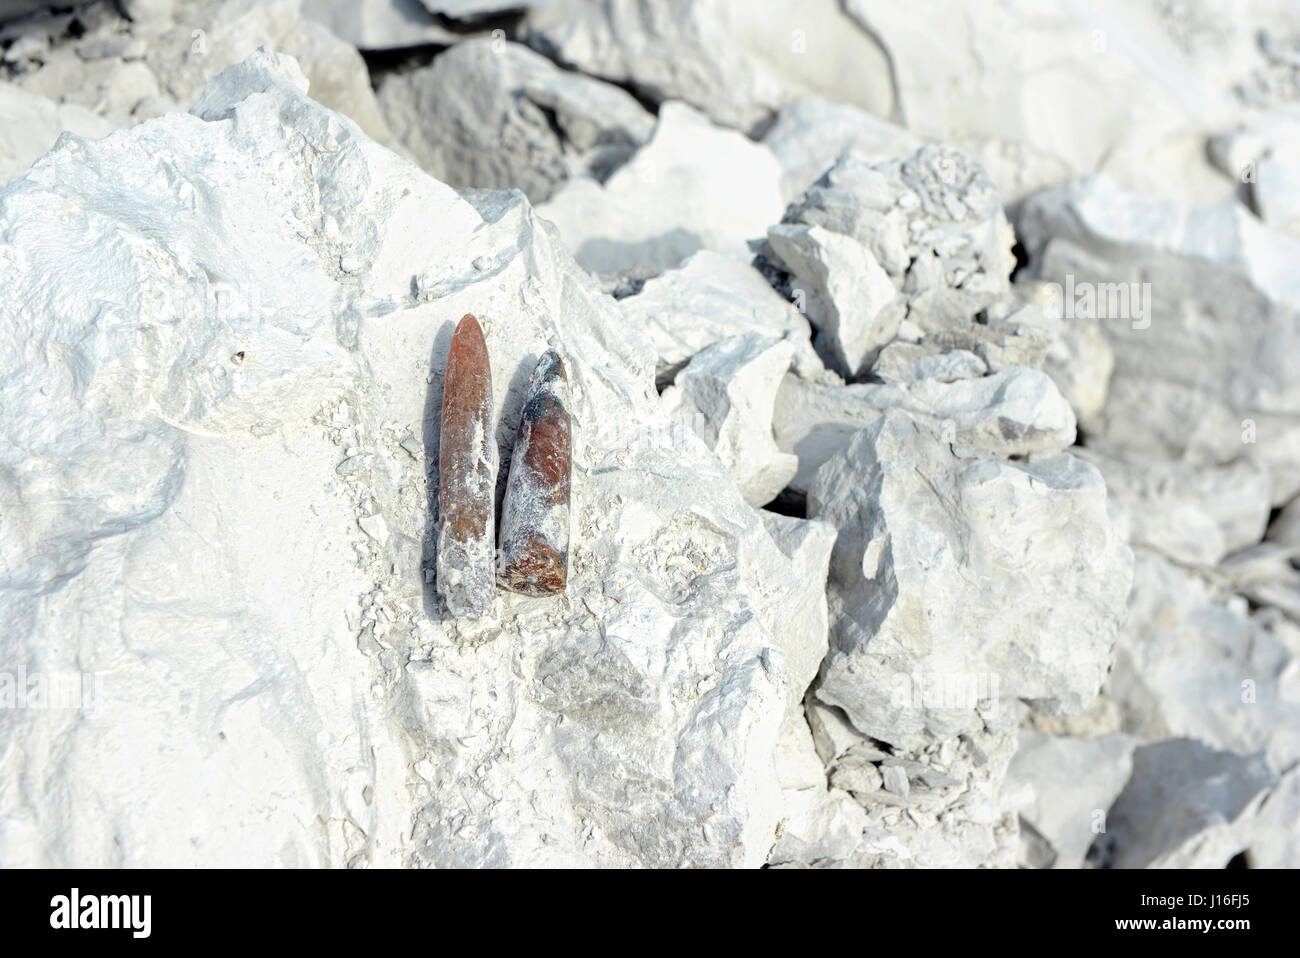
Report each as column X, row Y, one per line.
column 467, row 318
column 550, row 366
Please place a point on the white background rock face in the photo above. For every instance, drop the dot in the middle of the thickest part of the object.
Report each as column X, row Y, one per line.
column 1126, row 88
column 206, row 391
column 939, row 581
column 1222, row 298
column 736, row 62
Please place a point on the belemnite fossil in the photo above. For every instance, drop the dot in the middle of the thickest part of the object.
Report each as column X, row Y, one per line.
column 534, row 556
column 467, row 467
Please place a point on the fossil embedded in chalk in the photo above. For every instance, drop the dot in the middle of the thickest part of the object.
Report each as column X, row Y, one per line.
column 535, row 515
column 466, row 476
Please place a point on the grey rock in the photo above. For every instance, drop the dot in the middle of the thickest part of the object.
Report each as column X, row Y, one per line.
column 1186, row 805
column 493, row 114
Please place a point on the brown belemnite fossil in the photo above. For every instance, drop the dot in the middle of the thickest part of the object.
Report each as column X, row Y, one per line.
column 535, row 514
column 467, row 466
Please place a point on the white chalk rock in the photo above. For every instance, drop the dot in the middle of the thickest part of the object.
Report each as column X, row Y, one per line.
column 807, row 543
column 820, row 826
column 1185, row 806
column 30, row 123
column 1174, row 288
column 857, row 310
column 1275, row 193
column 1196, row 515
column 1274, row 837
column 1192, row 661
column 709, row 298
column 693, row 186
column 1031, row 574
column 736, row 62
column 1070, row 785
column 921, row 236
column 162, row 62
column 811, row 133
column 1077, row 88
column 1014, row 412
column 481, row 115
column 725, row 396
column 186, row 364
column 904, row 362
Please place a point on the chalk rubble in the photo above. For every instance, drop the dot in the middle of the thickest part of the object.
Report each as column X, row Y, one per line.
column 127, row 72
column 709, row 298
column 921, row 239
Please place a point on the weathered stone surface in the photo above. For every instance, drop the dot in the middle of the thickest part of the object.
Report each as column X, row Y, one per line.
column 811, row 133
column 488, row 113
column 737, row 63
column 1178, row 289
column 919, row 240
column 693, row 186
column 1196, row 515
column 1031, row 572
column 315, row 711
column 1014, row 412
column 1193, row 661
